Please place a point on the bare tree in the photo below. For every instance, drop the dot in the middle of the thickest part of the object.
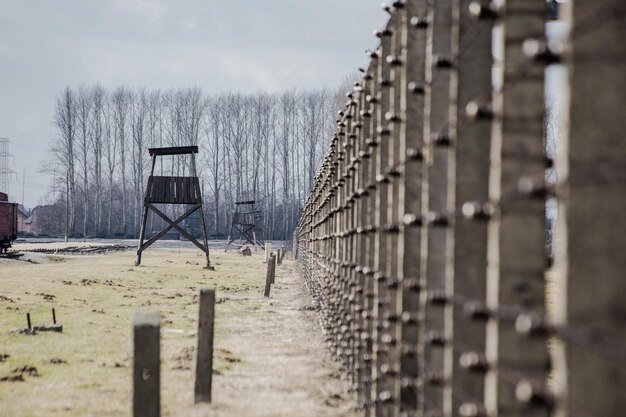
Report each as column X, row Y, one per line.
column 98, row 125
column 84, row 106
column 138, row 111
column 121, row 107
column 111, row 149
column 214, row 157
column 63, row 151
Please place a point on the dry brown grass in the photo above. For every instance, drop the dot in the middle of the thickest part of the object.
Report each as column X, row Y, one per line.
column 270, row 359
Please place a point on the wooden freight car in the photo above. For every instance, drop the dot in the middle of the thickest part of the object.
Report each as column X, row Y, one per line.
column 8, row 223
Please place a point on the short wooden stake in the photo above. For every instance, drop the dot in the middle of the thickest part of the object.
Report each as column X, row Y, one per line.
column 28, row 321
column 269, row 278
column 279, row 256
column 273, row 261
column 54, row 317
column 204, row 358
column 146, row 365
column 268, row 250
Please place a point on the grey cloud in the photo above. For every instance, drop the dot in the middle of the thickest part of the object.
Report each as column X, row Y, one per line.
column 216, row 45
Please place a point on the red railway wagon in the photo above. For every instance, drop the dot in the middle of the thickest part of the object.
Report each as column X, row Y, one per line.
column 8, row 222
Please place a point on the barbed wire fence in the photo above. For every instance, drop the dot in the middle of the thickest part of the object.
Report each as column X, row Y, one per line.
column 423, row 240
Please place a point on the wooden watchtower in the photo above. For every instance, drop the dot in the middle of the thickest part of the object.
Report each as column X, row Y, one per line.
column 244, row 224
column 173, row 190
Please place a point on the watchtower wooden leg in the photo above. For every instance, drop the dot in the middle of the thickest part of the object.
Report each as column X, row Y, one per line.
column 142, row 234
column 229, row 239
column 206, row 242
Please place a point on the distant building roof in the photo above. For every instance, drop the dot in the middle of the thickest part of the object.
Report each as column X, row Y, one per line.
column 23, row 211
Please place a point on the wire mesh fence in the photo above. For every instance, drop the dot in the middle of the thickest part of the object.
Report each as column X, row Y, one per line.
column 423, row 241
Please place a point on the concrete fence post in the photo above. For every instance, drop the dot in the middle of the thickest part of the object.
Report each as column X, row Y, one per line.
column 588, row 311
column 273, row 261
column 204, row 352
column 146, row 365
column 269, row 278
column 384, row 402
column 516, row 230
column 268, row 250
column 470, row 137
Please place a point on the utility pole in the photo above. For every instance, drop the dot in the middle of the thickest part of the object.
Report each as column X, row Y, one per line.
column 5, row 172
column 23, row 186
column 67, row 205
column 54, row 186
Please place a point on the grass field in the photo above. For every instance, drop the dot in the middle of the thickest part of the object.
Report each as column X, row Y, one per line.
column 269, row 354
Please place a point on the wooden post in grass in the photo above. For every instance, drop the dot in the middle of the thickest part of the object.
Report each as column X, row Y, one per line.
column 269, row 278
column 204, row 358
column 272, row 267
column 279, row 256
column 268, row 250
column 146, row 365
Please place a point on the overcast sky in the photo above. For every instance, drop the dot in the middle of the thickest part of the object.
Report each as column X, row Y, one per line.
column 217, row 45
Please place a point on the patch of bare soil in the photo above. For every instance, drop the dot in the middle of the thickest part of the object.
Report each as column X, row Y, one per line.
column 24, row 257
column 91, row 249
column 17, row 374
column 12, row 378
column 47, row 297
column 184, row 359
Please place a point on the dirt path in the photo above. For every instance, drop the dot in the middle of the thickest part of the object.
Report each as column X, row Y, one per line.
column 286, row 369
column 270, row 358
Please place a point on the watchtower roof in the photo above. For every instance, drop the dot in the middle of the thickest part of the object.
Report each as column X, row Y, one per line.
column 174, row 150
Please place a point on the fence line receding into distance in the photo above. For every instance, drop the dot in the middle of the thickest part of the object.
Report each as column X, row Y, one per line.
column 423, row 240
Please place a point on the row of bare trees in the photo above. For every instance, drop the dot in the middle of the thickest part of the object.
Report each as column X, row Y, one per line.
column 259, row 146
